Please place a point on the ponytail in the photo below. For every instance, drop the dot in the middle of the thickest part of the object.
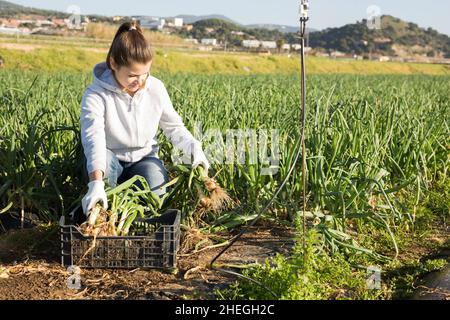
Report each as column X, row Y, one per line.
column 129, row 45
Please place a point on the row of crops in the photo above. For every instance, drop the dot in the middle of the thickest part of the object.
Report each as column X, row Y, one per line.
column 375, row 145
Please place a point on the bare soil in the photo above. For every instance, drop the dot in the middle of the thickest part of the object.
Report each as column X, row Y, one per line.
column 34, row 272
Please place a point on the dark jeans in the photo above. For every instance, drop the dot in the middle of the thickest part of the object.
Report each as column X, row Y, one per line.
column 149, row 167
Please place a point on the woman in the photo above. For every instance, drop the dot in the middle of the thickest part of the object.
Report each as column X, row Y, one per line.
column 120, row 115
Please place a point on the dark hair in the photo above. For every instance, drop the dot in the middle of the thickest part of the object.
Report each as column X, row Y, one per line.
column 129, row 45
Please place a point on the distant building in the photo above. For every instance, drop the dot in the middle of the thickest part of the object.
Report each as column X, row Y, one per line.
column 268, row 44
column 251, row 43
column 178, row 22
column 44, row 23
column 59, row 22
column 349, row 56
column 11, row 23
column 151, row 23
column 322, row 54
column 337, row 54
column 286, row 47
column 382, row 40
column 174, row 22
column 35, row 17
column 193, row 41
column 6, row 30
column 209, row 42
column 188, row 27
column 380, row 58
column 27, row 21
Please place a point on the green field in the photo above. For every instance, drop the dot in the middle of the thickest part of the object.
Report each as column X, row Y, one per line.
column 377, row 157
column 54, row 54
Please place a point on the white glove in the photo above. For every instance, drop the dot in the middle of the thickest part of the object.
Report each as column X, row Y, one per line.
column 95, row 194
column 200, row 159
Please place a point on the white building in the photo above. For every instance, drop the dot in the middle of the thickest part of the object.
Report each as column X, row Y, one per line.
column 268, row 44
column 174, row 22
column 193, row 41
column 151, row 23
column 27, row 21
column 44, row 23
column 178, row 22
column 251, row 43
column 7, row 30
column 209, row 42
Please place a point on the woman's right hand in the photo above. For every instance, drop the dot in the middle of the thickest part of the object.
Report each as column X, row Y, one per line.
column 200, row 159
column 96, row 193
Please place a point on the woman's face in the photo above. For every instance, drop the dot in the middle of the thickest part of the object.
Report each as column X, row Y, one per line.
column 133, row 77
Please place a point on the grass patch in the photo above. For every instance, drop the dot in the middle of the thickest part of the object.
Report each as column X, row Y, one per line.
column 58, row 57
column 309, row 274
column 315, row 274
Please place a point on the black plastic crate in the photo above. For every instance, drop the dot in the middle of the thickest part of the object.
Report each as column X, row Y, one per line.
column 151, row 243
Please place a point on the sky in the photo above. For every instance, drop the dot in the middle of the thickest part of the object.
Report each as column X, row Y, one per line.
column 323, row 13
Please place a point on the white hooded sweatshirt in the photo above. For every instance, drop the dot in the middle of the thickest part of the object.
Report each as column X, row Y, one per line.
column 112, row 119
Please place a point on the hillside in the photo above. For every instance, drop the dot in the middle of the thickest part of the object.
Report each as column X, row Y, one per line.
column 8, row 9
column 234, row 33
column 278, row 27
column 190, row 19
column 396, row 37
